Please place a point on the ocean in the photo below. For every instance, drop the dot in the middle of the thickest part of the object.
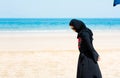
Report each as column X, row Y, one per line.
column 56, row 24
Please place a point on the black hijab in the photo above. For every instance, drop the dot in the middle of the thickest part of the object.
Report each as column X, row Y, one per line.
column 80, row 26
column 77, row 24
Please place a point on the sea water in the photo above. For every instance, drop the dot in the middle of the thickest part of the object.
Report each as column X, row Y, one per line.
column 56, row 24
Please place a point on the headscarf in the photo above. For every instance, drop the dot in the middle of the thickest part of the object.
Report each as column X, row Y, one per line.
column 77, row 24
column 80, row 26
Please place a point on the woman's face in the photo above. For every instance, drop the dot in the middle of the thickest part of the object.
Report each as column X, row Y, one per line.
column 73, row 28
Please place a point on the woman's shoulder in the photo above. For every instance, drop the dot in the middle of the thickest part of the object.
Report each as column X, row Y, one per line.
column 83, row 34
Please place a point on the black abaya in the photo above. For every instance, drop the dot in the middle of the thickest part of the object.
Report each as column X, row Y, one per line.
column 87, row 62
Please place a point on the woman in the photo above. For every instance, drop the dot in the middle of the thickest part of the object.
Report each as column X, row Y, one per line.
column 87, row 63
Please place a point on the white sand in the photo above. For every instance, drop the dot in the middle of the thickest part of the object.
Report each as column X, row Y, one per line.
column 54, row 55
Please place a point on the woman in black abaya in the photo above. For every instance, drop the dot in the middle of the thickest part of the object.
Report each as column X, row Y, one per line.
column 87, row 62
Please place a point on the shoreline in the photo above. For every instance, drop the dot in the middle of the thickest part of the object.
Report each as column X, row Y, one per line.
column 50, row 40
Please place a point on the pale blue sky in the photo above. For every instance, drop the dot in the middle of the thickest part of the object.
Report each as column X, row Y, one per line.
column 58, row 8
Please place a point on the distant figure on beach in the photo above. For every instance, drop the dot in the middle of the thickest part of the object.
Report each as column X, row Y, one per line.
column 87, row 62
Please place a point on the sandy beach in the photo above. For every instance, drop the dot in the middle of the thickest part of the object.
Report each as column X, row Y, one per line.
column 54, row 55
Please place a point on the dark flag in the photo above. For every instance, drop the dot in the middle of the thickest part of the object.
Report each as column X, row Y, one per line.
column 116, row 2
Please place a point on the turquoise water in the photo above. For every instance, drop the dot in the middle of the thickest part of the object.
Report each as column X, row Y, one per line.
column 56, row 24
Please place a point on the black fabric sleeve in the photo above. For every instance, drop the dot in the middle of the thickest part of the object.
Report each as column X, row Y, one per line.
column 86, row 37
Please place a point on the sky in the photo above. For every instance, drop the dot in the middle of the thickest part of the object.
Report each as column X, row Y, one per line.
column 58, row 9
